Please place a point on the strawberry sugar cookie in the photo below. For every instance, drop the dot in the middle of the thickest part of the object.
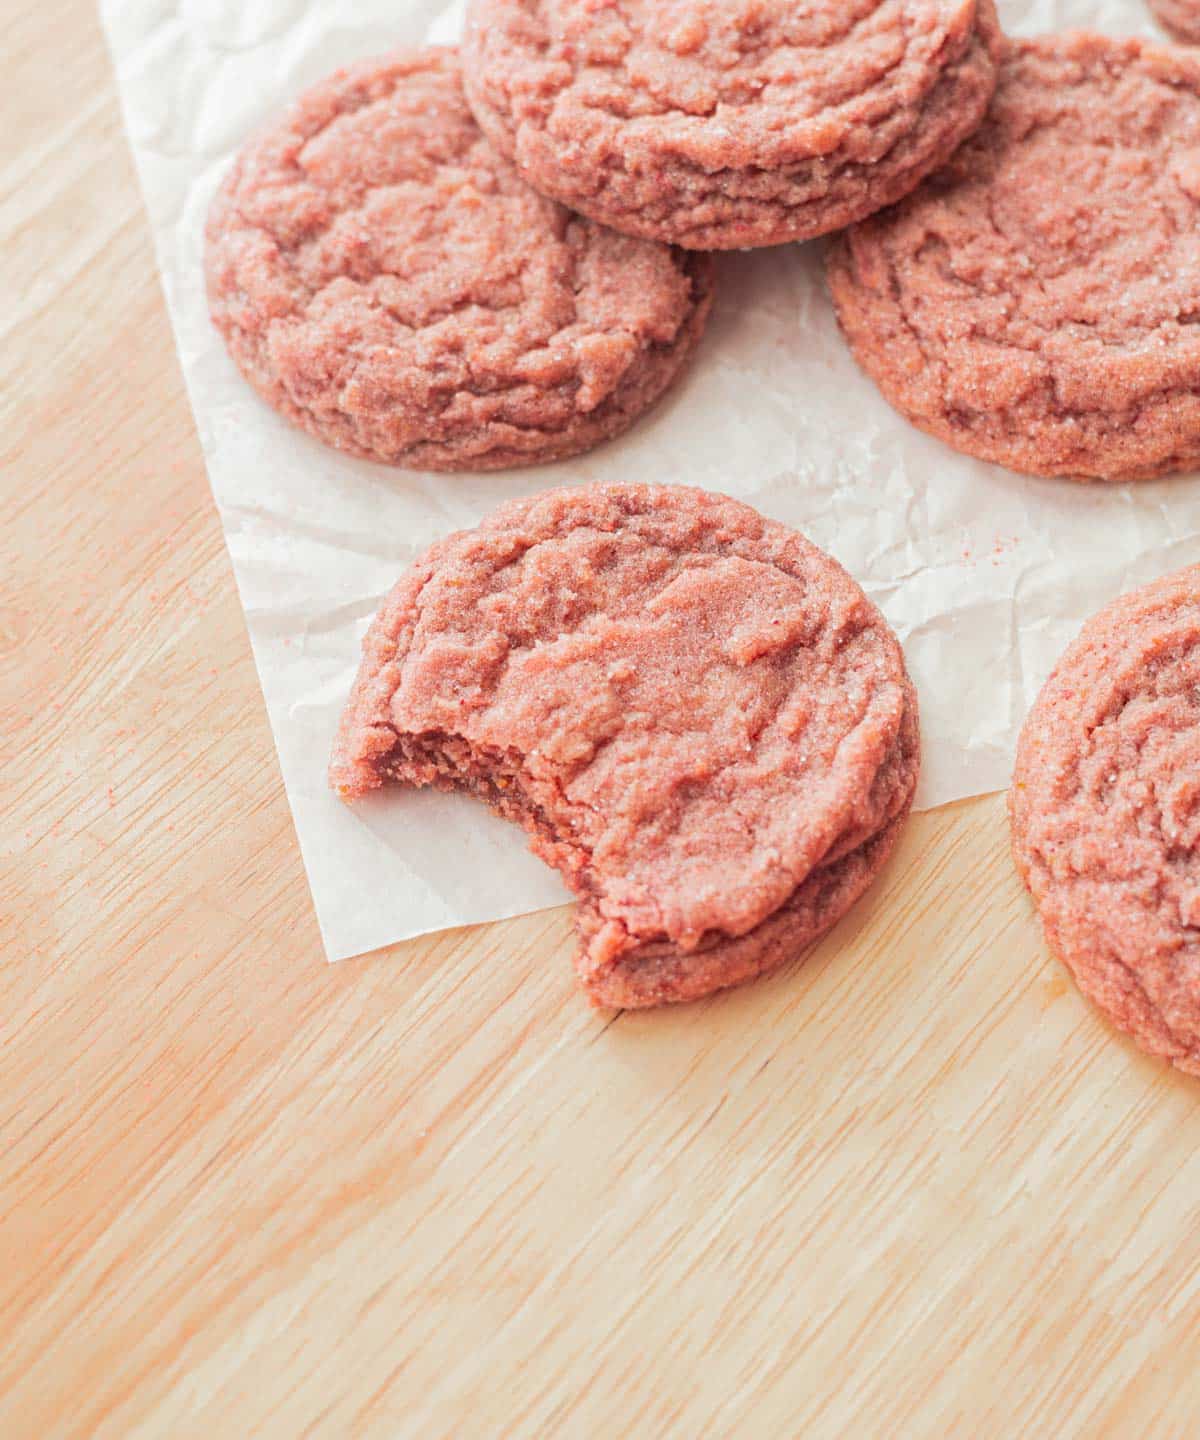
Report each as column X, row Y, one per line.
column 716, row 124
column 1035, row 302
column 696, row 715
column 1105, row 806
column 388, row 282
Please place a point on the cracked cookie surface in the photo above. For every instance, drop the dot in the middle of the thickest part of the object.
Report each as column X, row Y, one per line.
column 723, row 123
column 1105, row 806
column 698, row 717
column 1036, row 303
column 389, row 283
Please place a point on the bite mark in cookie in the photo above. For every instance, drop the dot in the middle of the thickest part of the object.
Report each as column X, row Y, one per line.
column 697, row 716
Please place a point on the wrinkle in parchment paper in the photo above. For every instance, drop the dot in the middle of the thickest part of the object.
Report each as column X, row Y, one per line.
column 985, row 575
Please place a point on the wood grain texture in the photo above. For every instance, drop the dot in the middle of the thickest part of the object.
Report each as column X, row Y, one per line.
column 912, row 1188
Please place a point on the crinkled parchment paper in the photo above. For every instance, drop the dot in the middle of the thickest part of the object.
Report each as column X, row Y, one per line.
column 985, row 575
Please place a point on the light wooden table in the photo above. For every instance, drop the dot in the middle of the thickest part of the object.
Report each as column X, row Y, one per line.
column 913, row 1188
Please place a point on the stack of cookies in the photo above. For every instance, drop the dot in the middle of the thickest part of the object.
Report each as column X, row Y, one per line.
column 499, row 257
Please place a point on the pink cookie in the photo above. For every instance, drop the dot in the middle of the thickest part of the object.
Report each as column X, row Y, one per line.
column 723, row 123
column 1035, row 303
column 698, row 717
column 385, row 280
column 1105, row 807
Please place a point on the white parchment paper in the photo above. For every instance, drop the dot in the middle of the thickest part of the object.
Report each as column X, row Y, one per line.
column 985, row 575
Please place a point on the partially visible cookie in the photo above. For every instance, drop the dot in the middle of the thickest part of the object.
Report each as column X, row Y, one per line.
column 387, row 281
column 1036, row 303
column 1180, row 17
column 1105, row 806
column 716, row 124
column 698, row 717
